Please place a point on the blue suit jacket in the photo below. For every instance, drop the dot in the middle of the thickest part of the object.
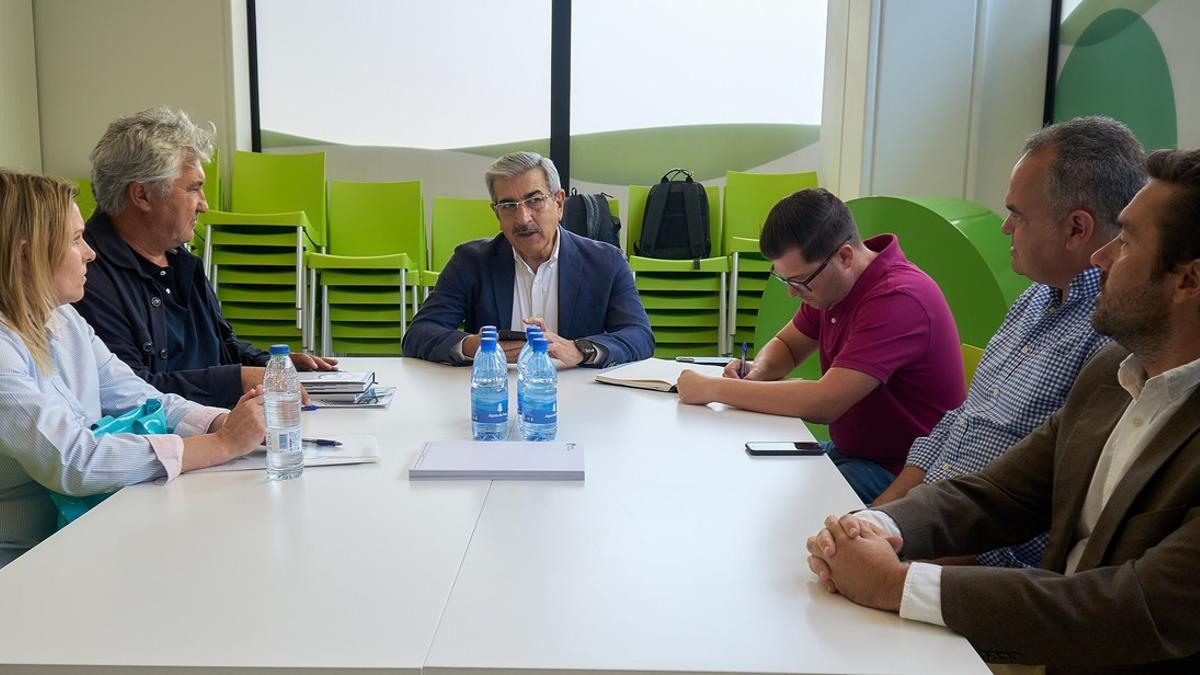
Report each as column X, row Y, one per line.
column 596, row 300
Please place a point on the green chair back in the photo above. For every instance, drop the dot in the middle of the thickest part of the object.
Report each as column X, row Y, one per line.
column 971, row 357
column 455, row 221
column 749, row 197
column 776, row 309
column 637, row 211
column 85, row 199
column 279, row 183
column 982, row 227
column 368, row 219
column 935, row 244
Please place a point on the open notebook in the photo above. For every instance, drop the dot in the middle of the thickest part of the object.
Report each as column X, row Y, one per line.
column 657, row 374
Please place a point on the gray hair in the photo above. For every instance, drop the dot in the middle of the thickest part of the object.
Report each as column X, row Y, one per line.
column 516, row 163
column 1098, row 165
column 148, row 147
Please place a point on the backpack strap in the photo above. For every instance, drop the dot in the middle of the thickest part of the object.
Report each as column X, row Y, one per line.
column 656, row 207
column 695, row 226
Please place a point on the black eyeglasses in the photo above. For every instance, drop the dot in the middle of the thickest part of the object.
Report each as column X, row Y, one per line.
column 803, row 284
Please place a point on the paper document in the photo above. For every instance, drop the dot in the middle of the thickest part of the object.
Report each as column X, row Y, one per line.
column 657, row 374
column 505, row 460
column 355, row 449
column 377, row 397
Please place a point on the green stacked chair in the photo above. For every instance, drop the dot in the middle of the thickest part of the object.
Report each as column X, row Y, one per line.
column 212, row 195
column 958, row 244
column 85, row 199
column 453, row 222
column 376, row 254
column 686, row 306
column 749, row 197
column 255, row 252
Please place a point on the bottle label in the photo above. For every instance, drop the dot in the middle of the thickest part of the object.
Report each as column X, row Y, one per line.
column 540, row 413
column 284, row 441
column 484, row 412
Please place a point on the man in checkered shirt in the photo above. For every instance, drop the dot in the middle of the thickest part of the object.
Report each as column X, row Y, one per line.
column 1071, row 182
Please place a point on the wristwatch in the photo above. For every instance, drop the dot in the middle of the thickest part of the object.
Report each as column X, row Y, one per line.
column 586, row 348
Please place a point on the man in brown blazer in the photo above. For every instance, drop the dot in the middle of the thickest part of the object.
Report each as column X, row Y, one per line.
column 1114, row 475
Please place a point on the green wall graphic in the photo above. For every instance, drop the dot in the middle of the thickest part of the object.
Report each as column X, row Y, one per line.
column 1117, row 68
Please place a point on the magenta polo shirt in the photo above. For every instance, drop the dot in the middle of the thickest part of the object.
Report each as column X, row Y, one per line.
column 895, row 326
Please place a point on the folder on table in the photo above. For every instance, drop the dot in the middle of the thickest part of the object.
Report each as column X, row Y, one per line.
column 501, row 460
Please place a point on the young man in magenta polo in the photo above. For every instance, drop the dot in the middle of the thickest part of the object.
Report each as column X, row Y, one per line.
column 888, row 346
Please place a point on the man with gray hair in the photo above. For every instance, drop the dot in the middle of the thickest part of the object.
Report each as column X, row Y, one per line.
column 146, row 295
column 1064, row 196
column 579, row 291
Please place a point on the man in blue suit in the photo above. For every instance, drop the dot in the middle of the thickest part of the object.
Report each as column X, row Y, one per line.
column 580, row 291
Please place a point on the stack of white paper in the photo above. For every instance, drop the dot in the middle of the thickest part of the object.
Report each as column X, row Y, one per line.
column 335, row 382
column 503, row 460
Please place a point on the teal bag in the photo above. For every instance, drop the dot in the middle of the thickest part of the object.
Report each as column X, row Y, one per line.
column 147, row 418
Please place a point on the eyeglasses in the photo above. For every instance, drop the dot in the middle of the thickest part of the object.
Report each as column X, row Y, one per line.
column 803, row 284
column 535, row 202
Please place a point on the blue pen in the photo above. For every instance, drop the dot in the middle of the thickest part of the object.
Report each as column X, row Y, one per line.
column 322, row 441
column 742, row 368
column 309, row 408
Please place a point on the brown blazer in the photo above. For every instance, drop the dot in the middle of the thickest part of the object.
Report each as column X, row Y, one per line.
column 1132, row 604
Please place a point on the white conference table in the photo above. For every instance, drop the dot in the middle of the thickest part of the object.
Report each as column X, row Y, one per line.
column 679, row 553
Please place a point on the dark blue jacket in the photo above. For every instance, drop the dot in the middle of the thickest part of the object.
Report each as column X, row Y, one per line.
column 597, row 300
column 121, row 303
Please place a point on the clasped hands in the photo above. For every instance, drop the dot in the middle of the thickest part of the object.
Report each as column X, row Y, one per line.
column 853, row 557
column 558, row 348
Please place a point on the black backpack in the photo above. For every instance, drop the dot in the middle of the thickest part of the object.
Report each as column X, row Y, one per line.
column 675, row 224
column 589, row 216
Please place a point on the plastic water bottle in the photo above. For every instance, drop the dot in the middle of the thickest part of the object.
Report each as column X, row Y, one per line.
column 281, row 405
column 539, row 416
column 489, row 394
column 501, row 358
column 522, row 360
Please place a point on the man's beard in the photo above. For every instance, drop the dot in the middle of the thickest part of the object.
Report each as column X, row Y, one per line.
column 1137, row 318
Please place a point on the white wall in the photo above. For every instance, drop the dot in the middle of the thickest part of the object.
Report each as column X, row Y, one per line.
column 932, row 98
column 97, row 61
column 20, row 146
column 921, row 98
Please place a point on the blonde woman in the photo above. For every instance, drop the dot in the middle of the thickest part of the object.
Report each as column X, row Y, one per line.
column 57, row 378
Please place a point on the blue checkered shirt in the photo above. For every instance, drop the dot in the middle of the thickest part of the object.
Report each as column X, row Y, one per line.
column 1027, row 369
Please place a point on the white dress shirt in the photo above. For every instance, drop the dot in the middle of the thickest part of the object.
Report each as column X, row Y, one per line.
column 536, row 293
column 1155, row 401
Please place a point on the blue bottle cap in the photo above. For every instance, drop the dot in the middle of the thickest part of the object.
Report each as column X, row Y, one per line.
column 280, row 350
column 532, row 331
column 540, row 344
column 489, row 327
column 487, row 343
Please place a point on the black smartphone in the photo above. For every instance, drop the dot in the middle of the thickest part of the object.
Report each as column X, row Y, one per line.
column 508, row 335
column 783, row 448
